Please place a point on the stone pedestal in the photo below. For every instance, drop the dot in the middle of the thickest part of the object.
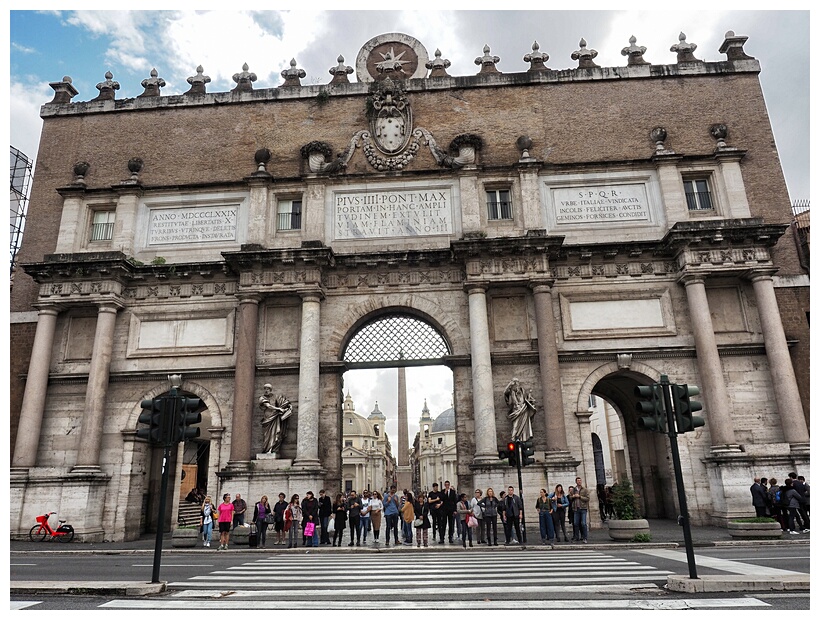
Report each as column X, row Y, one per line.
column 404, row 478
column 267, row 475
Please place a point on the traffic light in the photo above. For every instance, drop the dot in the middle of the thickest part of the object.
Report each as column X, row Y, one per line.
column 512, row 453
column 527, row 453
column 684, row 407
column 152, row 414
column 186, row 416
column 650, row 403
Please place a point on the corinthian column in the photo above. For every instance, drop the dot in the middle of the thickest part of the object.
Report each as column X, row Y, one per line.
column 483, row 400
column 307, row 440
column 551, row 393
column 710, row 369
column 784, row 382
column 34, row 397
column 96, row 391
column 244, row 378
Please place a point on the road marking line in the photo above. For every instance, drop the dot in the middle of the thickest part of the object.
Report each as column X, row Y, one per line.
column 23, row 604
column 729, row 566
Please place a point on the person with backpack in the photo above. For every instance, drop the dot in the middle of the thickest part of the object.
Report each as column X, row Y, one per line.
column 776, row 497
column 795, row 503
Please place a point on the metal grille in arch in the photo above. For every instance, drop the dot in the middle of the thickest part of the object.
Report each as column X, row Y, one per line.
column 396, row 338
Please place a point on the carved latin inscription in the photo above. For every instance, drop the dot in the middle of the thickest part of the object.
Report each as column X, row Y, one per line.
column 601, row 203
column 201, row 224
column 392, row 213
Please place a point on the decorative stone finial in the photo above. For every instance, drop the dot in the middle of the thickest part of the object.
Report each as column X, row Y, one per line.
column 63, row 91
column 197, row 82
column 340, row 71
column 524, row 144
column 107, row 88
column 80, row 170
column 135, row 167
column 244, row 81
column 634, row 53
column 262, row 157
column 487, row 62
column 584, row 56
column 719, row 132
column 684, row 50
column 733, row 47
column 537, row 59
column 152, row 85
column 658, row 135
column 438, row 66
column 292, row 75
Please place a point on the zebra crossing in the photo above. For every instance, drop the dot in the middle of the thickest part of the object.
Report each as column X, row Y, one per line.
column 410, row 581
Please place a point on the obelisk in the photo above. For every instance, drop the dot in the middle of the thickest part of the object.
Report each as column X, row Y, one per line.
column 404, row 473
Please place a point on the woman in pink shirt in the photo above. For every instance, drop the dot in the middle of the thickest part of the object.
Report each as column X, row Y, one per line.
column 225, row 520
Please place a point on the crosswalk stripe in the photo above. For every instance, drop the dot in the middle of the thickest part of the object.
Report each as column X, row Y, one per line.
column 574, row 604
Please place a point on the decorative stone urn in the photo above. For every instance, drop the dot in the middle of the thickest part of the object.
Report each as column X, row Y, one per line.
column 627, row 529
column 185, row 537
column 741, row 530
column 239, row 536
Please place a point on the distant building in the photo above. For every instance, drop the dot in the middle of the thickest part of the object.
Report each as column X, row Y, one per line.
column 436, row 449
column 367, row 461
column 19, row 189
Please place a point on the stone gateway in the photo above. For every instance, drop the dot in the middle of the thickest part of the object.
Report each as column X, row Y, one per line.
column 576, row 228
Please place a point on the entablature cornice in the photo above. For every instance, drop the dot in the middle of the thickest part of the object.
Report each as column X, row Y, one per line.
column 722, row 233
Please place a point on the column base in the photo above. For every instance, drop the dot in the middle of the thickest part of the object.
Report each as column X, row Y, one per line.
column 307, row 464
column 726, row 448
column 18, row 474
column 800, row 449
column 85, row 470
column 238, row 465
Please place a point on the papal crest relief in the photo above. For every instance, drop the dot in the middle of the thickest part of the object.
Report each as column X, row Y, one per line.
column 391, row 119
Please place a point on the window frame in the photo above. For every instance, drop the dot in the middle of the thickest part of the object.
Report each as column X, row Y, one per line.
column 495, row 208
column 699, row 197
column 111, row 215
column 292, row 217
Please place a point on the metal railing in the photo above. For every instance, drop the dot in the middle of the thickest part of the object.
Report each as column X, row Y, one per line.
column 102, row 232
column 289, row 221
column 699, row 201
column 499, row 210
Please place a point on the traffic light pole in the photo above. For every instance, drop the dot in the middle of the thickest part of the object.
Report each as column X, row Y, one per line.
column 673, row 441
column 521, row 494
column 169, row 415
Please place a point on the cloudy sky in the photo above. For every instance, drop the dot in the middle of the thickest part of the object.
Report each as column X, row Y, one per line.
column 46, row 45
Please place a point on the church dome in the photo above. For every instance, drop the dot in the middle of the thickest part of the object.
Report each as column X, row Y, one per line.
column 446, row 421
column 354, row 424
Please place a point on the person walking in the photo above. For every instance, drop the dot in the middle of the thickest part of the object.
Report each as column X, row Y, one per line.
column 464, row 513
column 560, row 503
column 293, row 516
column 339, row 519
column 545, row 523
column 408, row 515
column 261, row 513
column 421, row 508
column 579, row 496
column 208, row 512
column 279, row 519
column 391, row 515
column 375, row 511
column 225, row 510
column 490, row 506
column 354, row 510
column 364, row 516
column 310, row 515
column 795, row 504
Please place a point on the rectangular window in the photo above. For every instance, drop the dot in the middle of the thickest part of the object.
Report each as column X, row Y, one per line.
column 102, row 226
column 499, row 206
column 698, row 196
column 289, row 215
column 348, row 443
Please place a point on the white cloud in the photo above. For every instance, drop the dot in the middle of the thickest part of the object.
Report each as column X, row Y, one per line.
column 24, row 107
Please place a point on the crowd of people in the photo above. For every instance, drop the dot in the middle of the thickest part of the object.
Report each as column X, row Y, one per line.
column 404, row 518
column 788, row 503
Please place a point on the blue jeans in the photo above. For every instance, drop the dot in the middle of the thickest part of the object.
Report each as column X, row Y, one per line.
column 407, row 530
column 579, row 521
column 364, row 525
column 546, row 525
column 207, row 528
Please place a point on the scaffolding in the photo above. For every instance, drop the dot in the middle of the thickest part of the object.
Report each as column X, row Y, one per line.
column 20, row 183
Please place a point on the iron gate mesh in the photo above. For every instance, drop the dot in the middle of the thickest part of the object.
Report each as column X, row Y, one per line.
column 393, row 338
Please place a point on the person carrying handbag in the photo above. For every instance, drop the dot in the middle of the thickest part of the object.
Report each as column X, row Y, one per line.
column 262, row 517
column 421, row 509
column 293, row 515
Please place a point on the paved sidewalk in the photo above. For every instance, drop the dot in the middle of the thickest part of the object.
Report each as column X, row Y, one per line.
column 665, row 534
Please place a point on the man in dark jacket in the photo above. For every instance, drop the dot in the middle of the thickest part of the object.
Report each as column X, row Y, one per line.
column 354, row 511
column 758, row 498
column 513, row 507
column 803, row 511
column 434, row 499
column 449, row 511
column 325, row 510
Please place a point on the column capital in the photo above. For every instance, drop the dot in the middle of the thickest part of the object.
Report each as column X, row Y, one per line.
column 542, row 286
column 249, row 298
column 763, row 273
column 110, row 305
column 315, row 294
column 692, row 278
column 476, row 287
column 48, row 308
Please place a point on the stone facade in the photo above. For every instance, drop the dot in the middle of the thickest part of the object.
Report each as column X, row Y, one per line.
column 367, row 459
column 434, row 451
column 549, row 225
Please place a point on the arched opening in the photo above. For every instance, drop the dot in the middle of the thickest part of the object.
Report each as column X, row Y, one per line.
column 624, row 450
column 398, row 421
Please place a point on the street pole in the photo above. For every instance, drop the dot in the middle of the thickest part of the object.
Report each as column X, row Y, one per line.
column 521, row 493
column 169, row 414
column 673, row 441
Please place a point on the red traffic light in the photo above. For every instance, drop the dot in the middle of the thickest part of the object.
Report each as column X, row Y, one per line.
column 511, row 446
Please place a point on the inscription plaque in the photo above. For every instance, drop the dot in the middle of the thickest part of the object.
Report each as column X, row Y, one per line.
column 392, row 213
column 601, row 204
column 200, row 224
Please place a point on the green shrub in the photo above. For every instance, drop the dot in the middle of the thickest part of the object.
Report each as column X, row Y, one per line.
column 624, row 501
column 642, row 538
column 754, row 520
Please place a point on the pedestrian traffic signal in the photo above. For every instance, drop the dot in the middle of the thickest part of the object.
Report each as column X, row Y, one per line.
column 152, row 414
column 527, row 453
column 650, row 403
column 186, row 416
column 512, row 451
column 684, row 407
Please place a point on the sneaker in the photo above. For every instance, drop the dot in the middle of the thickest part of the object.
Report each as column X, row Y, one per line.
column 793, row 532
column 585, row 539
column 350, row 544
column 806, row 531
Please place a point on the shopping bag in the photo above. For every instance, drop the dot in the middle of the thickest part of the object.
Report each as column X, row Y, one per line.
column 331, row 526
column 310, row 526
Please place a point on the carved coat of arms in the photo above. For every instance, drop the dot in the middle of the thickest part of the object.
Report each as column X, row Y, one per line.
column 391, row 122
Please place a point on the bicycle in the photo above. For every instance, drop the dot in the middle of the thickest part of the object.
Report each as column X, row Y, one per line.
column 63, row 533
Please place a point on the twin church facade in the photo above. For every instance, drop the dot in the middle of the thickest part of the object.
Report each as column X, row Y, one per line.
column 584, row 230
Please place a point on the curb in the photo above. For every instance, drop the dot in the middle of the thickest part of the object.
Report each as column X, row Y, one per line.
column 737, row 583
column 111, row 588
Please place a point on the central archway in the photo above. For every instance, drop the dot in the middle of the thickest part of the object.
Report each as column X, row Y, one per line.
column 395, row 338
